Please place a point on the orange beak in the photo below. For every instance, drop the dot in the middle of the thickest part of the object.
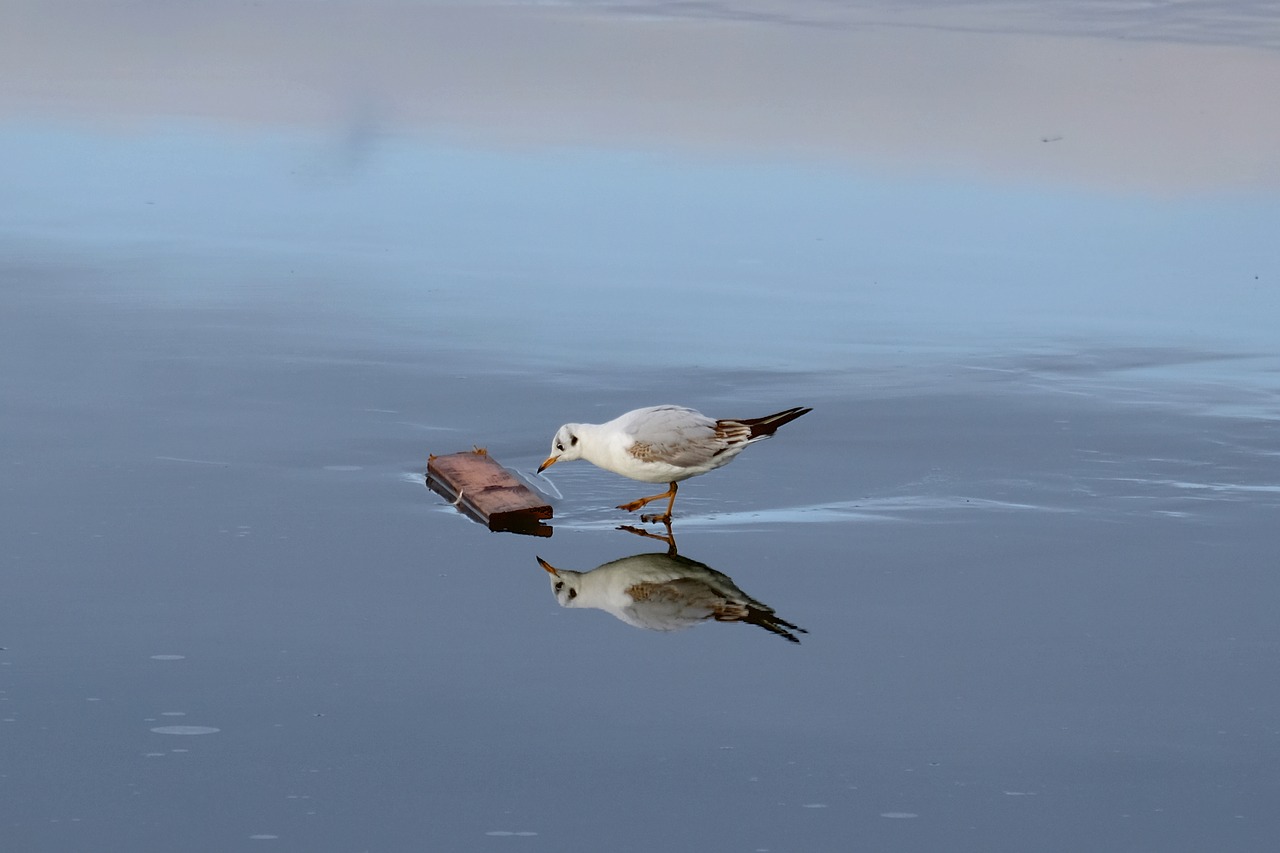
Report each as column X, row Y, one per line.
column 550, row 568
column 551, row 460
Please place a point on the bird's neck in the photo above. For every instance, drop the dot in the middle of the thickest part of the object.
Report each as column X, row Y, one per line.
column 594, row 447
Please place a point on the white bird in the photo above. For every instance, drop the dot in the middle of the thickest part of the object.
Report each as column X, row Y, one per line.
column 664, row 592
column 662, row 444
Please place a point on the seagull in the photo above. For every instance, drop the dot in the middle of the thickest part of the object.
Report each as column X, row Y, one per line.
column 662, row 444
column 664, row 592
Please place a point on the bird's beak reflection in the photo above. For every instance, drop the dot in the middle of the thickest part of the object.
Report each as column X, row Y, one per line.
column 550, row 568
column 551, row 460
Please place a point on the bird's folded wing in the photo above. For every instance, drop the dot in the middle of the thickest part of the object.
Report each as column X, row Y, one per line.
column 683, row 452
column 675, row 436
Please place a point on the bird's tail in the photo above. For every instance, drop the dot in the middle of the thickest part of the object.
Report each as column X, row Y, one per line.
column 768, row 425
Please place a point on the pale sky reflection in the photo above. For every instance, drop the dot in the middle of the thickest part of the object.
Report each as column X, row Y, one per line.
column 1155, row 99
column 561, row 249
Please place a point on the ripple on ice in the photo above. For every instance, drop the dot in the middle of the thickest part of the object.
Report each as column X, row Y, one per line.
column 506, row 833
column 185, row 730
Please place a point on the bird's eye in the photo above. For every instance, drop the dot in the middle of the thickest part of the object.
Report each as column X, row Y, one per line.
column 573, row 593
column 560, row 447
column 573, row 441
column 559, row 586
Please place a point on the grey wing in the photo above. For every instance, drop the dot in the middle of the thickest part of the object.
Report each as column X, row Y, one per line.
column 676, row 435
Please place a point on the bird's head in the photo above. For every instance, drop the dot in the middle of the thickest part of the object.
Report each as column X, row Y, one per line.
column 566, row 445
column 564, row 583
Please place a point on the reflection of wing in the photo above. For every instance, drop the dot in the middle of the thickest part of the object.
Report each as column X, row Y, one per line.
column 670, row 605
column 686, row 601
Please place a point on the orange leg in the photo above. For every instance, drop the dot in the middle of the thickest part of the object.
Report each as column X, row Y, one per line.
column 635, row 505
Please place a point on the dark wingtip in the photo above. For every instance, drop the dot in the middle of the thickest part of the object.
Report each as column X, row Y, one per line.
column 769, row 424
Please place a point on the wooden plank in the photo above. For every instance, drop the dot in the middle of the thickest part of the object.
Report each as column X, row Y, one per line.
column 475, row 483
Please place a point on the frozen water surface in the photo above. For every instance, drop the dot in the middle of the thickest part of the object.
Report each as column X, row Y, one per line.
column 257, row 261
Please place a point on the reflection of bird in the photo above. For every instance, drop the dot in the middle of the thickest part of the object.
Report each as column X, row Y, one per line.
column 662, row 444
column 664, row 592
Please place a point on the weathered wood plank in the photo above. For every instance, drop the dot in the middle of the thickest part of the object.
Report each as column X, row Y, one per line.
column 478, row 485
